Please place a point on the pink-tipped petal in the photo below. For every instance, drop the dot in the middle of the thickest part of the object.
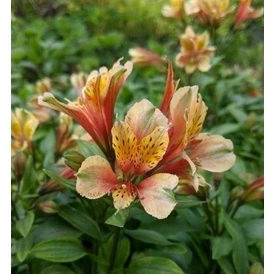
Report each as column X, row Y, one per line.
column 154, row 194
column 214, row 153
column 95, row 178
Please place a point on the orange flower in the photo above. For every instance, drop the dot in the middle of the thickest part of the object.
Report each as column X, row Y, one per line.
column 188, row 148
column 195, row 51
column 94, row 108
column 139, row 143
column 245, row 12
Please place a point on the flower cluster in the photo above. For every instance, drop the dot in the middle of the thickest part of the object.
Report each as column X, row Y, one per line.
column 150, row 153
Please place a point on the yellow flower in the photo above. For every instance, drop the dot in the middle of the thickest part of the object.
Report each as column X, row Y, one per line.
column 195, row 51
column 23, row 126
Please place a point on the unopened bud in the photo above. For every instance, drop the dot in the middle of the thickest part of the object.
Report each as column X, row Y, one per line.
column 73, row 159
column 43, row 86
column 255, row 191
column 48, row 206
column 236, row 193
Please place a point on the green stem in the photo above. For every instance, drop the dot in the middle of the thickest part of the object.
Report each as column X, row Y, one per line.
column 114, row 251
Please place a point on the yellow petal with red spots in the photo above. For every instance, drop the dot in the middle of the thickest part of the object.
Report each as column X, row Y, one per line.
column 151, row 150
column 123, row 196
column 125, row 145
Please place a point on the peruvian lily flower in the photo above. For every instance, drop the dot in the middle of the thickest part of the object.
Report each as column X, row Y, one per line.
column 23, row 126
column 209, row 11
column 188, row 148
column 94, row 108
column 175, row 9
column 140, row 143
column 145, row 57
column 245, row 11
column 195, row 52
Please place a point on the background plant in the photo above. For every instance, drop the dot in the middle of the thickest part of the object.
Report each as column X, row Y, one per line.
column 221, row 227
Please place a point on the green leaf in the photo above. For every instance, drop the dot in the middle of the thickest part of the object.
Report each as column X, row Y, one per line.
column 29, row 179
column 225, row 128
column 80, row 220
column 239, row 247
column 147, row 236
column 221, row 246
column 56, row 177
column 53, row 227
column 24, row 225
column 57, row 269
column 59, row 250
column 113, row 253
column 23, row 248
column 254, row 230
column 226, row 265
column 119, row 218
column 48, row 147
column 88, row 149
column 187, row 201
column 152, row 265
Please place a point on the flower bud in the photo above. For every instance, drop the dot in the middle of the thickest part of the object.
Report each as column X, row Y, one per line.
column 48, row 206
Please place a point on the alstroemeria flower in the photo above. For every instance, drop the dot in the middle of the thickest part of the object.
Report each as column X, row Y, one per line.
column 209, row 11
column 175, row 9
column 140, row 143
column 145, row 57
column 23, row 126
column 245, row 11
column 189, row 149
column 195, row 52
column 94, row 108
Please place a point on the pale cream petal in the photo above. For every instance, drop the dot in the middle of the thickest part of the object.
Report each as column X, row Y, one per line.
column 155, row 194
column 214, row 153
column 143, row 118
column 95, row 178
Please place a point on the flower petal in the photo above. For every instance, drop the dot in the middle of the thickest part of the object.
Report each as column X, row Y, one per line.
column 154, row 195
column 95, row 178
column 143, row 118
column 124, row 143
column 123, row 196
column 151, row 150
column 214, row 153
